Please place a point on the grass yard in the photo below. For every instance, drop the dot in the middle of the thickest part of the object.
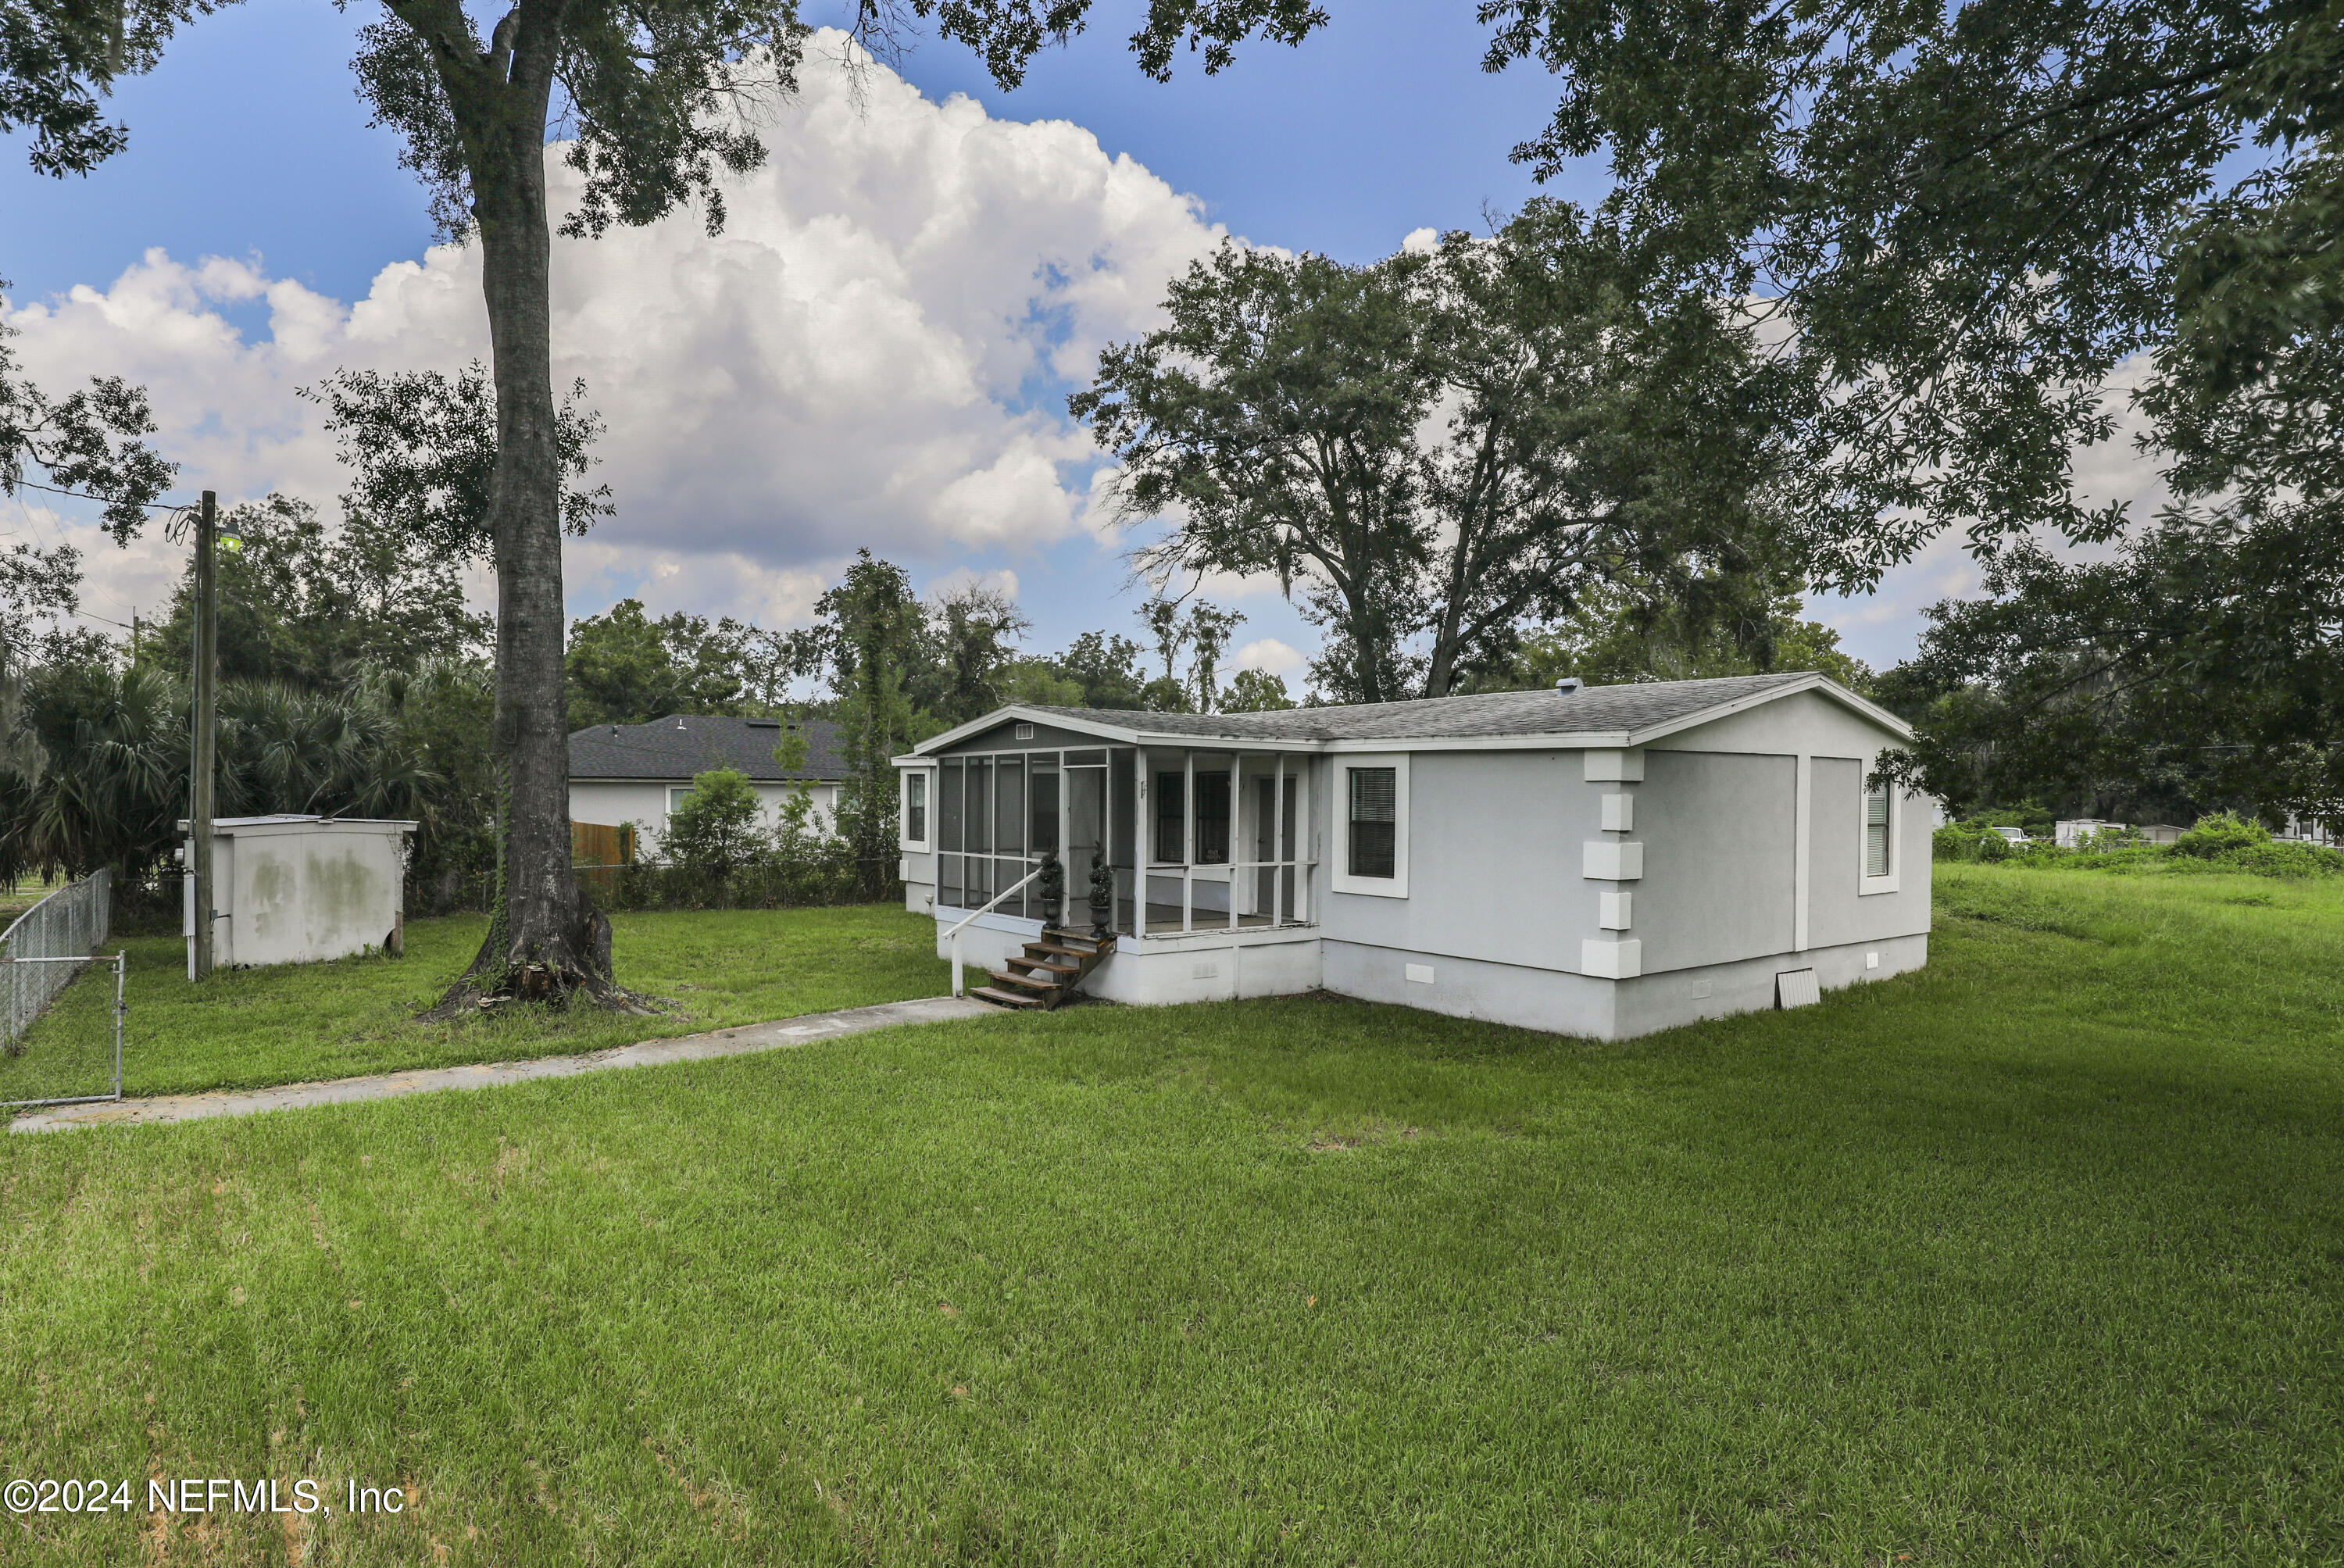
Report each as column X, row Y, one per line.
column 2035, row 1257
column 246, row 1028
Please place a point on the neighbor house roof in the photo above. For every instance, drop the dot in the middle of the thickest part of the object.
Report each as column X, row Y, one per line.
column 1604, row 716
column 681, row 744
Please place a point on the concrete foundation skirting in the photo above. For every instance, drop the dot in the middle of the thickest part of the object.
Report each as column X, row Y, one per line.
column 1209, row 966
column 1595, row 1008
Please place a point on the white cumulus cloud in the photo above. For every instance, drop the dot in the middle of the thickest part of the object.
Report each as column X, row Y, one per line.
column 875, row 351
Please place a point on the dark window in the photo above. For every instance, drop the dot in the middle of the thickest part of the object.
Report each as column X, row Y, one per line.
column 1875, row 833
column 915, row 808
column 1375, row 820
column 1212, row 819
column 1170, row 792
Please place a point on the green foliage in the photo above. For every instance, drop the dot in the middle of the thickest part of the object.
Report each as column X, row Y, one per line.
column 2219, row 843
column 869, row 626
column 967, row 633
column 1968, row 841
column 87, row 441
column 2197, row 666
column 1255, row 692
column 421, row 449
column 2221, row 833
column 1680, row 628
column 1431, row 448
column 1107, row 669
column 714, row 831
column 113, row 751
column 1039, row 683
column 320, row 608
column 624, row 668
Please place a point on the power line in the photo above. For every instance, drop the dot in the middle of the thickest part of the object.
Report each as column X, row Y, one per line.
column 101, row 500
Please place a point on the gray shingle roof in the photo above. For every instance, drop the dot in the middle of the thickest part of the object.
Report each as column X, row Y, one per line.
column 1590, row 710
column 679, row 746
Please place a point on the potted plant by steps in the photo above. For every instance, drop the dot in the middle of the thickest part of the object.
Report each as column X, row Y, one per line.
column 1102, row 898
column 1053, row 887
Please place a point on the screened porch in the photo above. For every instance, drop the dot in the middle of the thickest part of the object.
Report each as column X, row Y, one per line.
column 1198, row 840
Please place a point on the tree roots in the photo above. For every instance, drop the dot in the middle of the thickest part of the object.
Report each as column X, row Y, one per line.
column 495, row 981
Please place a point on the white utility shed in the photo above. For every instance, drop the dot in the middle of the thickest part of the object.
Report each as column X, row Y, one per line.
column 295, row 889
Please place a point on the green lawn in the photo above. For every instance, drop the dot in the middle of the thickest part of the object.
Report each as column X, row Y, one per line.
column 249, row 1027
column 2035, row 1257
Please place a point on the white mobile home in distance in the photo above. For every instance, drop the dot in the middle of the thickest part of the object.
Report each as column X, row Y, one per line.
column 1602, row 862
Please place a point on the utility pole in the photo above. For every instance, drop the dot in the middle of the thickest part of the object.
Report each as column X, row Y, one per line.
column 207, row 678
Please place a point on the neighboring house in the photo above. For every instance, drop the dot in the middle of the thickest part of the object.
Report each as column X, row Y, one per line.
column 640, row 773
column 1604, row 861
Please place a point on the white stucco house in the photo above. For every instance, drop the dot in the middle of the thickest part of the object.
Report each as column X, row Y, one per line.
column 1602, row 862
column 639, row 774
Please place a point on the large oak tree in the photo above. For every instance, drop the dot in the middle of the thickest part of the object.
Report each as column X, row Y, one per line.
column 1431, row 450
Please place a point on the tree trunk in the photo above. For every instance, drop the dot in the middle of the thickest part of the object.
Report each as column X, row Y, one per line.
column 543, row 944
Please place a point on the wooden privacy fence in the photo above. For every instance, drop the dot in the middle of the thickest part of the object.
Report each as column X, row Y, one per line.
column 597, row 854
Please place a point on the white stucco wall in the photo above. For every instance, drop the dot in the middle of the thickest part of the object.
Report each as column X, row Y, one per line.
column 614, row 803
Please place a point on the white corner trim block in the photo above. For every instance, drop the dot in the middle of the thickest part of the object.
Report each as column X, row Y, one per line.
column 1612, row 960
column 1615, row 767
column 1619, row 813
column 1608, row 860
column 1616, row 911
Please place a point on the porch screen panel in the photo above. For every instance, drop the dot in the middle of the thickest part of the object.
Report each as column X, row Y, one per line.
column 1289, row 821
column 1123, row 822
column 951, row 880
column 1171, row 802
column 1009, row 867
column 1374, row 822
column 1212, row 817
column 1043, row 833
column 979, row 830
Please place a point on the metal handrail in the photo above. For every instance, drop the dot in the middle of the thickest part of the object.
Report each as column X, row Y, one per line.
column 954, row 935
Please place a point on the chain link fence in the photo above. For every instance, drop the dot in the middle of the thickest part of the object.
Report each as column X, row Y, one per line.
column 71, row 923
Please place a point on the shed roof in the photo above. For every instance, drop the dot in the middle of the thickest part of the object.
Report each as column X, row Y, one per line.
column 1618, row 714
column 681, row 744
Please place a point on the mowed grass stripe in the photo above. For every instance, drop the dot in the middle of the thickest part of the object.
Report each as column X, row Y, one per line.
column 2013, row 1260
column 253, row 1027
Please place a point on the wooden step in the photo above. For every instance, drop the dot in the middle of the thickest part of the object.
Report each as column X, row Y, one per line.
column 1062, row 933
column 1003, row 998
column 1030, row 962
column 1065, row 951
column 1004, row 977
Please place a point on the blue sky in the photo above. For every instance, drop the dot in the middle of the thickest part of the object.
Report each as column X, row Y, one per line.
column 250, row 144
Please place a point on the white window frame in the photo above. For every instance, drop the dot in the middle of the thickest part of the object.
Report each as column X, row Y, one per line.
column 905, row 842
column 676, row 795
column 1396, row 885
column 1866, row 885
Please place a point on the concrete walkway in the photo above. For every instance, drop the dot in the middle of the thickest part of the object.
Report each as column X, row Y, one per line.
column 734, row 1042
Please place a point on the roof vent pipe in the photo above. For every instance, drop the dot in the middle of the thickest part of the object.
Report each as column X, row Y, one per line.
column 1569, row 685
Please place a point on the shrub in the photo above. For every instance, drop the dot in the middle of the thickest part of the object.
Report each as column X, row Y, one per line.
column 714, row 832
column 2221, row 833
